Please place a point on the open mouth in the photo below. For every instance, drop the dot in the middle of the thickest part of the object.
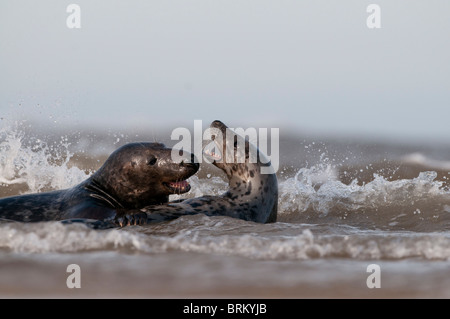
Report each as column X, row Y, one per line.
column 178, row 187
column 213, row 153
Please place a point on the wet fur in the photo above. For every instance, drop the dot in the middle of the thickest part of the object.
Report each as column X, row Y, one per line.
column 116, row 195
column 251, row 196
column 127, row 180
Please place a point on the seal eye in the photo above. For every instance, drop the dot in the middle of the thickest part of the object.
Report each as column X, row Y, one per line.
column 152, row 161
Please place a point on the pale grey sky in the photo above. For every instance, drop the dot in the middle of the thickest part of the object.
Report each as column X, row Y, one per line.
column 311, row 65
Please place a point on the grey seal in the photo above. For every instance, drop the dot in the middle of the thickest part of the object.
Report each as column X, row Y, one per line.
column 252, row 195
column 134, row 176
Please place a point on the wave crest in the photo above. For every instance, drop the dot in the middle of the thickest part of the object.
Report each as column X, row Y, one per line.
column 232, row 237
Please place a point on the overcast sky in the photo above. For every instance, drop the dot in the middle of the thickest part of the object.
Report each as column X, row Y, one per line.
column 310, row 65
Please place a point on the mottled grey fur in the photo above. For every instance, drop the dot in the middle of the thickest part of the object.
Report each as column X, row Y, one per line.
column 251, row 196
column 121, row 193
column 134, row 176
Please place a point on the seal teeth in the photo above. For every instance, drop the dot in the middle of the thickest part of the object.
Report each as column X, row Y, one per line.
column 178, row 187
column 212, row 152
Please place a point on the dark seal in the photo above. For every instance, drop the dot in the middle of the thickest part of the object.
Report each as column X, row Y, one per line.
column 134, row 176
column 252, row 195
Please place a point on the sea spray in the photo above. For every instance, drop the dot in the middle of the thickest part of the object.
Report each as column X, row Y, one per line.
column 35, row 163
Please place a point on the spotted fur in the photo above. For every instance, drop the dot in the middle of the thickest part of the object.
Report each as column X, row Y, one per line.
column 251, row 195
column 126, row 192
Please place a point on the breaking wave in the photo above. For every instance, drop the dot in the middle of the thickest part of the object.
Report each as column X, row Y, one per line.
column 320, row 216
column 33, row 165
column 225, row 236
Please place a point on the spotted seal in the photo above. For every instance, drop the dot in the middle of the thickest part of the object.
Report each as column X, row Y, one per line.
column 134, row 176
column 251, row 196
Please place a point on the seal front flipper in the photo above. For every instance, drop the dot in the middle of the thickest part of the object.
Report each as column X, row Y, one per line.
column 252, row 193
column 207, row 205
column 152, row 214
column 134, row 176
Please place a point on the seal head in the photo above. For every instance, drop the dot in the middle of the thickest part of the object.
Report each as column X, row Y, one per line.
column 252, row 195
column 140, row 174
column 134, row 176
column 242, row 162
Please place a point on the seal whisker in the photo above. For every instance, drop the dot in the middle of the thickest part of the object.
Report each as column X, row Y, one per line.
column 97, row 187
column 128, row 191
column 124, row 182
column 251, row 196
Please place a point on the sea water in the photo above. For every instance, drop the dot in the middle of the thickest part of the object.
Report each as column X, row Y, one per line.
column 343, row 205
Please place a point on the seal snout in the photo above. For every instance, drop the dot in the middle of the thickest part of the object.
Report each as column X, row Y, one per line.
column 176, row 175
column 219, row 125
column 193, row 163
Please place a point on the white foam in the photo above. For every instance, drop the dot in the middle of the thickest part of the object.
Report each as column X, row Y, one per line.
column 315, row 189
column 224, row 236
column 55, row 237
column 38, row 165
column 300, row 193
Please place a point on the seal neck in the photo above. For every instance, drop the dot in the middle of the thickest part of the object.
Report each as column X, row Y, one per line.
column 123, row 196
column 257, row 190
column 99, row 193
